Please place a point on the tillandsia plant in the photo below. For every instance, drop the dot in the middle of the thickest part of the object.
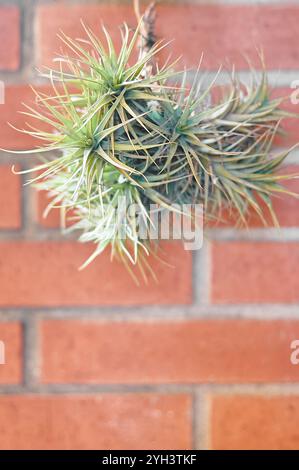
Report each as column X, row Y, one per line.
column 128, row 130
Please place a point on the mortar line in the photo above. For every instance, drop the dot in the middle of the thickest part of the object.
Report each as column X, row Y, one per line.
column 149, row 313
column 35, row 233
column 267, row 390
column 201, row 275
column 31, row 356
column 201, row 419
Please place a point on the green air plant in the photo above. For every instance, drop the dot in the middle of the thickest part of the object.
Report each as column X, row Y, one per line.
column 127, row 130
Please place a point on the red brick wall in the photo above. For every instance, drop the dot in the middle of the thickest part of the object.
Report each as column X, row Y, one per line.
column 199, row 360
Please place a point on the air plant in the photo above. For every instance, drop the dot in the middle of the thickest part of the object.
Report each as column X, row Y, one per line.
column 134, row 132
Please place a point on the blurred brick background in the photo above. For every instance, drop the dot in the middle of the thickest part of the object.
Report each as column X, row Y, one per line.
column 200, row 360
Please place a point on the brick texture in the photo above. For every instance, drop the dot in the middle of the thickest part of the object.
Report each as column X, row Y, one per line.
column 11, row 336
column 11, row 113
column 93, row 422
column 223, row 351
column 255, row 272
column 255, row 422
column 10, row 199
column 46, row 274
column 9, row 37
column 192, row 360
column 219, row 31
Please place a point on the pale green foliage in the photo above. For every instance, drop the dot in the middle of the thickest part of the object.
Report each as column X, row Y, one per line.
column 123, row 132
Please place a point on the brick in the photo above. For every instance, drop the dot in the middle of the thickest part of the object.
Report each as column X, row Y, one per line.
column 46, row 274
column 11, row 336
column 221, row 32
column 11, row 139
column 255, row 422
column 9, row 37
column 69, row 22
column 260, row 272
column 10, row 199
column 216, row 351
column 130, row 421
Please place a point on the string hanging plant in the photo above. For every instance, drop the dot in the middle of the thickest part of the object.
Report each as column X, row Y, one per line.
column 132, row 131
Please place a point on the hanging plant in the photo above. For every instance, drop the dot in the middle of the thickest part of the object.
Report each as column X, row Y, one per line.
column 129, row 130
